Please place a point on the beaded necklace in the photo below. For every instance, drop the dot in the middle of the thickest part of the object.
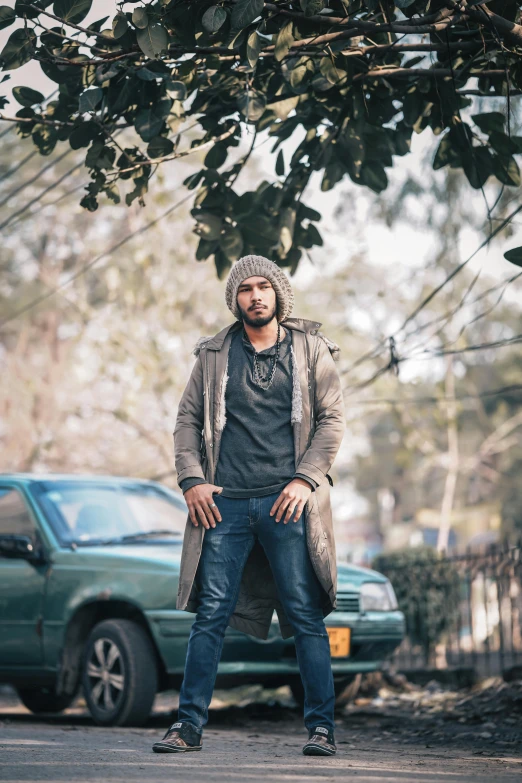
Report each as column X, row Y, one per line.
column 256, row 375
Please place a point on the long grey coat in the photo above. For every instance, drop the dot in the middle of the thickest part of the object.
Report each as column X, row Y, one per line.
column 318, row 421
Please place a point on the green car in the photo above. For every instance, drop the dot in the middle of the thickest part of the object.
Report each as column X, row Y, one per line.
column 88, row 582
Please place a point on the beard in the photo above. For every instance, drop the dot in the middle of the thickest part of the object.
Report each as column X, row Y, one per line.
column 261, row 319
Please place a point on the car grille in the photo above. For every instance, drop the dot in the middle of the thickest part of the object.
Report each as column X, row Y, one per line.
column 347, row 602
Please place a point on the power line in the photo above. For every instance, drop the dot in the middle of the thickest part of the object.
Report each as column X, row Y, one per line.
column 372, row 353
column 49, row 203
column 43, row 297
column 40, row 195
column 430, row 400
column 9, row 173
column 36, row 176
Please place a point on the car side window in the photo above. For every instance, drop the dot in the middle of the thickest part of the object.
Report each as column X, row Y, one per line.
column 15, row 519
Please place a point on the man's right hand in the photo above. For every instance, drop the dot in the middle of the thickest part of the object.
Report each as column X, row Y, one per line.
column 198, row 500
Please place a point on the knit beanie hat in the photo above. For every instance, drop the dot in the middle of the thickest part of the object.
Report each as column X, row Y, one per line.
column 259, row 265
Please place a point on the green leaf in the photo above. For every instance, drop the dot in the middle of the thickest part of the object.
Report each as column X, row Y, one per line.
column 222, row 263
column 506, row 170
column 253, row 48
column 514, row 255
column 208, row 225
column 502, row 143
column 251, row 104
column 45, row 137
column 333, row 173
column 18, row 49
column 89, row 202
column 90, row 99
column 213, row 18
column 22, row 8
column 490, row 121
column 205, row 248
column 159, row 146
column 284, row 41
column 286, row 230
column 311, row 7
column 27, row 96
column 216, row 156
column 280, row 164
column 7, row 16
column 150, row 120
column 374, row 176
column 141, row 186
column 72, row 10
column 446, row 153
column 140, row 18
column 314, row 236
column 153, row 40
column 176, row 90
column 83, row 134
column 119, row 25
column 331, row 72
column 478, row 165
column 231, row 242
column 245, row 11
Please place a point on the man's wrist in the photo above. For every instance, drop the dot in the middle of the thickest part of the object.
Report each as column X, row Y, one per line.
column 305, row 480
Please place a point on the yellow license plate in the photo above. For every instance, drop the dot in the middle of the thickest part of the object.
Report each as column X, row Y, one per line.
column 339, row 642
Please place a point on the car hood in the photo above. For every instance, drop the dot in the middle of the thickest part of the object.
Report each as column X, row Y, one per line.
column 167, row 556
column 351, row 577
column 134, row 557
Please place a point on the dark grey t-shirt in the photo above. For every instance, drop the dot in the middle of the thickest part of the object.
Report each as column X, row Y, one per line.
column 256, row 453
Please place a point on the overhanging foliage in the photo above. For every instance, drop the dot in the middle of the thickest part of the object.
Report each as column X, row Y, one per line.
column 353, row 78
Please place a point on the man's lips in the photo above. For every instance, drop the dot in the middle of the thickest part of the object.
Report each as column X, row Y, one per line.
column 259, row 308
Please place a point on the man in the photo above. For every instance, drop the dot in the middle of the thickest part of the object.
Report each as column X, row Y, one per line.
column 258, row 427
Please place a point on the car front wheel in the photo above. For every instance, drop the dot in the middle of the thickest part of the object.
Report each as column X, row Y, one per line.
column 119, row 673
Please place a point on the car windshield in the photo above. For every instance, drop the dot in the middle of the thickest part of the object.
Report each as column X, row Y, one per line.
column 88, row 513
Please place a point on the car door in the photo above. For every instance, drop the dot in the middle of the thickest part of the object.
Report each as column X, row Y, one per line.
column 22, row 586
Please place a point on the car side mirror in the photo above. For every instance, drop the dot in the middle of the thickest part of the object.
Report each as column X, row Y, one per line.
column 20, row 547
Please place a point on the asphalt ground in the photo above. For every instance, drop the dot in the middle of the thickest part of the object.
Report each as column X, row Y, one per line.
column 258, row 735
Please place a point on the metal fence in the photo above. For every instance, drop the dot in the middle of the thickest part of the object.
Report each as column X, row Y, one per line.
column 480, row 627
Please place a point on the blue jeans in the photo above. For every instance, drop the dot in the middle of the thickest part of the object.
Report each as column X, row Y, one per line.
column 223, row 556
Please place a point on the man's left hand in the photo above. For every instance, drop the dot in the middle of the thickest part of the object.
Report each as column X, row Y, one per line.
column 292, row 499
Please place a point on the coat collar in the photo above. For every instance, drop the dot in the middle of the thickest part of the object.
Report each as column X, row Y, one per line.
column 298, row 324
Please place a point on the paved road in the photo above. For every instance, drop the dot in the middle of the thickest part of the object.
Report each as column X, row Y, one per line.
column 36, row 751
column 32, row 751
column 263, row 745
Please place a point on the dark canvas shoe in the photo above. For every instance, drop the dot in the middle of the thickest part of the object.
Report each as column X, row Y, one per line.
column 180, row 738
column 320, row 742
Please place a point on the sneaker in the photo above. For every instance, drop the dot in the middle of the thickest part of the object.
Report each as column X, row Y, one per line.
column 180, row 737
column 320, row 742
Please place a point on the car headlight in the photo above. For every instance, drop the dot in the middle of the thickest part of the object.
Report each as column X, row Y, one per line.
column 378, row 597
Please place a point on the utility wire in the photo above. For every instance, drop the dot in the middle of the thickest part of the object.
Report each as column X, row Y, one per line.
column 516, row 387
column 36, row 176
column 50, row 187
column 43, row 297
column 372, row 353
column 9, row 173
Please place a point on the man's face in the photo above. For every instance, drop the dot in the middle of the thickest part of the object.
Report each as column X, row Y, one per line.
column 257, row 302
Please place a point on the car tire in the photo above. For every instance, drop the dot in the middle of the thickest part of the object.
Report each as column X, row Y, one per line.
column 119, row 673
column 43, row 700
column 346, row 688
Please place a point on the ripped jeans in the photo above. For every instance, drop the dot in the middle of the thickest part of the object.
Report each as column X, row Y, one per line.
column 223, row 556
